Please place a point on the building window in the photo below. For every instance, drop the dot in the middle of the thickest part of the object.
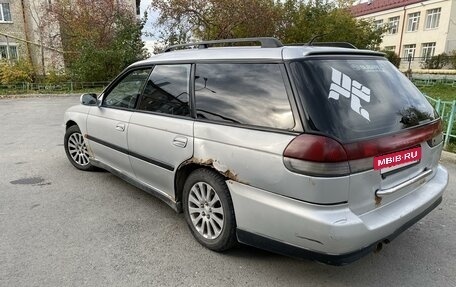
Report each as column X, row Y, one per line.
column 409, row 51
column 413, row 21
column 432, row 18
column 393, row 25
column 390, row 48
column 5, row 13
column 378, row 24
column 12, row 49
column 427, row 50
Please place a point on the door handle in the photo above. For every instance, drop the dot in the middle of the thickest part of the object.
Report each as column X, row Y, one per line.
column 180, row 141
column 120, row 127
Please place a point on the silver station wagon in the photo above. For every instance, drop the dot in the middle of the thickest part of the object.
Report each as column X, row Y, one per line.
column 311, row 151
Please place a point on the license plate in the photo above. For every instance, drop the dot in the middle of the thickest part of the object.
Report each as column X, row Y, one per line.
column 396, row 160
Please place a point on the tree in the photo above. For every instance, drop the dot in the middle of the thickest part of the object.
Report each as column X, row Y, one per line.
column 304, row 20
column 292, row 21
column 392, row 57
column 100, row 37
column 181, row 20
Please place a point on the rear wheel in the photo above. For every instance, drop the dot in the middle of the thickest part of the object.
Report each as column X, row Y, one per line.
column 76, row 149
column 208, row 210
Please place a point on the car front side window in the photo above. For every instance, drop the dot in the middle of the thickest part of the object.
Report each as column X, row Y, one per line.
column 126, row 92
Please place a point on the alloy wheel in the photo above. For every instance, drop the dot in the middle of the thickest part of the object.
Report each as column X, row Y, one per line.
column 205, row 210
column 78, row 149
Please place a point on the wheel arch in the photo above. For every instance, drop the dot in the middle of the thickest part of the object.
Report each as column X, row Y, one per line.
column 69, row 124
column 204, row 225
column 182, row 173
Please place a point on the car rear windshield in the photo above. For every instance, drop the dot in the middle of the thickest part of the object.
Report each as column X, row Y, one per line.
column 353, row 98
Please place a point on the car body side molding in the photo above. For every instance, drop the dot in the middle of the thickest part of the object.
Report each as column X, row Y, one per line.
column 133, row 154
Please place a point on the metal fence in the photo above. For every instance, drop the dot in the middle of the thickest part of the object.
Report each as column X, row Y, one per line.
column 428, row 80
column 435, row 63
column 446, row 110
column 52, row 87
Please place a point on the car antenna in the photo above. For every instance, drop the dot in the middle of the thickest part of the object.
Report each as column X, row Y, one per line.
column 315, row 37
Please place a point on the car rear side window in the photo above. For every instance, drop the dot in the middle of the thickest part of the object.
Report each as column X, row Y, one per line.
column 250, row 94
column 353, row 98
column 166, row 90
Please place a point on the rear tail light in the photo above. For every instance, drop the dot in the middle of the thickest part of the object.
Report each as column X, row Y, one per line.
column 323, row 156
column 391, row 143
column 316, row 155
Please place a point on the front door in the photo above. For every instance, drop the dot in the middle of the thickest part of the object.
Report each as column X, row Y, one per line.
column 108, row 124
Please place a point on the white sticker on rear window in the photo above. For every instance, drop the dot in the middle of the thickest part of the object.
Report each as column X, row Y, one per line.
column 345, row 86
column 366, row 67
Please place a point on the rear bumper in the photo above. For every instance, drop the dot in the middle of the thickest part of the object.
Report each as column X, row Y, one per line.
column 298, row 252
column 331, row 234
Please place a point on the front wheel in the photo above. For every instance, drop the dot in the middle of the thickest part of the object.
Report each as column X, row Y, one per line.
column 76, row 149
column 208, row 210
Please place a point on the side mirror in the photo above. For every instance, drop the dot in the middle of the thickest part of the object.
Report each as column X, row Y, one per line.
column 89, row 99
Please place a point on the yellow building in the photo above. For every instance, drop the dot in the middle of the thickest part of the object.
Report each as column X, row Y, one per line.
column 416, row 29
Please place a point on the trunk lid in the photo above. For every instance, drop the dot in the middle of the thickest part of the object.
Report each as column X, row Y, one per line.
column 390, row 133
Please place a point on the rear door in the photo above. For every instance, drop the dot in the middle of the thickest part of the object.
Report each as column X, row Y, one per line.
column 246, row 117
column 107, row 125
column 160, row 135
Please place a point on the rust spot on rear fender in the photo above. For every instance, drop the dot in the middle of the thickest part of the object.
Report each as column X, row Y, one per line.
column 378, row 200
column 223, row 170
column 229, row 174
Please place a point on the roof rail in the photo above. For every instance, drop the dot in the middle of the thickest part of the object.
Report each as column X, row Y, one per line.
column 266, row 42
column 326, row 44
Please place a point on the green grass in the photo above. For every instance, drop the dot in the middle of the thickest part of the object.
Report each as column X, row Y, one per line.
column 443, row 92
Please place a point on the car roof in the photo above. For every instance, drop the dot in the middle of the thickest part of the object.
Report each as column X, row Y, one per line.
column 252, row 53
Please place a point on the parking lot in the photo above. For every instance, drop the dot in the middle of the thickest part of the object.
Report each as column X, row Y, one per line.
column 63, row 227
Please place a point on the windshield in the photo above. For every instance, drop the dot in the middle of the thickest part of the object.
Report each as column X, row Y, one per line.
column 354, row 98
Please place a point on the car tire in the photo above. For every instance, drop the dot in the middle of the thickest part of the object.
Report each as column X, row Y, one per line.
column 208, row 210
column 76, row 149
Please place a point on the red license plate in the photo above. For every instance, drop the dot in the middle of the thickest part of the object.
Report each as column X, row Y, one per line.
column 398, row 159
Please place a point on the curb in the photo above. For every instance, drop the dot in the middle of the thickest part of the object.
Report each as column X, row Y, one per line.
column 448, row 157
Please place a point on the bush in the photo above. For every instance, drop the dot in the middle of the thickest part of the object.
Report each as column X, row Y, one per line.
column 54, row 77
column 452, row 59
column 392, row 57
column 16, row 72
column 436, row 62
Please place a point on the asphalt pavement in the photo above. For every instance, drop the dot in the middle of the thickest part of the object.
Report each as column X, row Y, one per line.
column 63, row 227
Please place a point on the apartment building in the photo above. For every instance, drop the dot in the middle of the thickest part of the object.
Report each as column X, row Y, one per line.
column 12, row 24
column 22, row 35
column 416, row 29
